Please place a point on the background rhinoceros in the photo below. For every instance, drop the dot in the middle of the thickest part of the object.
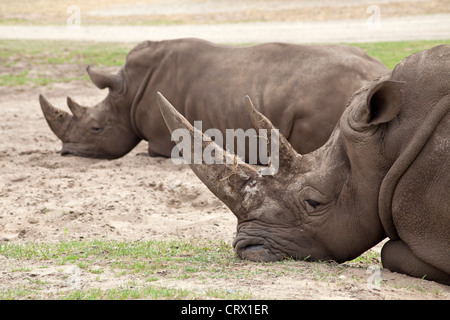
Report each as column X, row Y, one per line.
column 385, row 171
column 302, row 89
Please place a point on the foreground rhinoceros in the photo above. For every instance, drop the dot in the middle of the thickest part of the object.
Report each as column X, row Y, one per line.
column 205, row 82
column 385, row 171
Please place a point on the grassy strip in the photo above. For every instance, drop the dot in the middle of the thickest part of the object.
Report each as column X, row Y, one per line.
column 391, row 53
column 37, row 63
column 59, row 52
column 29, row 62
column 146, row 263
column 149, row 261
column 24, row 79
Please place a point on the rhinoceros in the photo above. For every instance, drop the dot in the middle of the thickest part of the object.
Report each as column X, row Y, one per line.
column 204, row 80
column 384, row 172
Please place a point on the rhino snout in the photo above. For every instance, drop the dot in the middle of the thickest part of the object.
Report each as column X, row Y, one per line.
column 258, row 253
column 254, row 249
column 86, row 150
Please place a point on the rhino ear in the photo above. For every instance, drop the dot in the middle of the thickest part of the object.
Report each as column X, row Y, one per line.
column 105, row 80
column 384, row 101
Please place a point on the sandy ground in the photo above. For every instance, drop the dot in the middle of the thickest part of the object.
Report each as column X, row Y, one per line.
column 46, row 197
column 127, row 194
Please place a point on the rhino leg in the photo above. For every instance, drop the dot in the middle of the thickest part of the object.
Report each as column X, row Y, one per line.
column 398, row 257
column 152, row 153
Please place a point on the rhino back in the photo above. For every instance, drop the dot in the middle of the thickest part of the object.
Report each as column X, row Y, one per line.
column 299, row 88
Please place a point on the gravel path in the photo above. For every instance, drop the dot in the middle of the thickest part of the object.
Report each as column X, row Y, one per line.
column 424, row 27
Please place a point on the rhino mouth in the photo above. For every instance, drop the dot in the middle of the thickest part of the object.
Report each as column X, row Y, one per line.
column 255, row 250
column 81, row 150
column 267, row 246
column 258, row 253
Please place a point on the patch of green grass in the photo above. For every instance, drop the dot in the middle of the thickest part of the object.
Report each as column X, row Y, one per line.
column 146, row 260
column 23, row 79
column 391, row 53
column 132, row 257
column 14, row 80
column 14, row 21
column 121, row 293
column 19, row 57
column 148, row 292
column 59, row 52
column 16, row 293
column 149, row 261
column 45, row 55
column 151, row 269
column 114, row 54
column 368, row 258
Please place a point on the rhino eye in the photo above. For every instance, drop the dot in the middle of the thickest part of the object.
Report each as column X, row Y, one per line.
column 96, row 129
column 312, row 203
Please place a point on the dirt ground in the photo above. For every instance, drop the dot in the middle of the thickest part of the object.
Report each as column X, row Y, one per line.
column 46, row 197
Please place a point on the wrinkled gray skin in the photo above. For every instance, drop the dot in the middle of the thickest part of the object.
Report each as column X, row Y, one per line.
column 385, row 171
column 302, row 89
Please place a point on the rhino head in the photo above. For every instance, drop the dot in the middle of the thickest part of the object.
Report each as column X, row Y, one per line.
column 306, row 208
column 103, row 131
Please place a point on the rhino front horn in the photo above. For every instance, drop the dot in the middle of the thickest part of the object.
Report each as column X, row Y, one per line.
column 57, row 120
column 227, row 179
column 288, row 158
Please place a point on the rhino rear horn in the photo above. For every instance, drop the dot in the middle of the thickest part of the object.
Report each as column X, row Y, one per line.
column 57, row 120
column 105, row 80
column 228, row 179
column 77, row 110
column 287, row 154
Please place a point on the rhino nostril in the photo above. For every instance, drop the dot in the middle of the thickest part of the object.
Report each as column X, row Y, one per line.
column 65, row 153
column 258, row 253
